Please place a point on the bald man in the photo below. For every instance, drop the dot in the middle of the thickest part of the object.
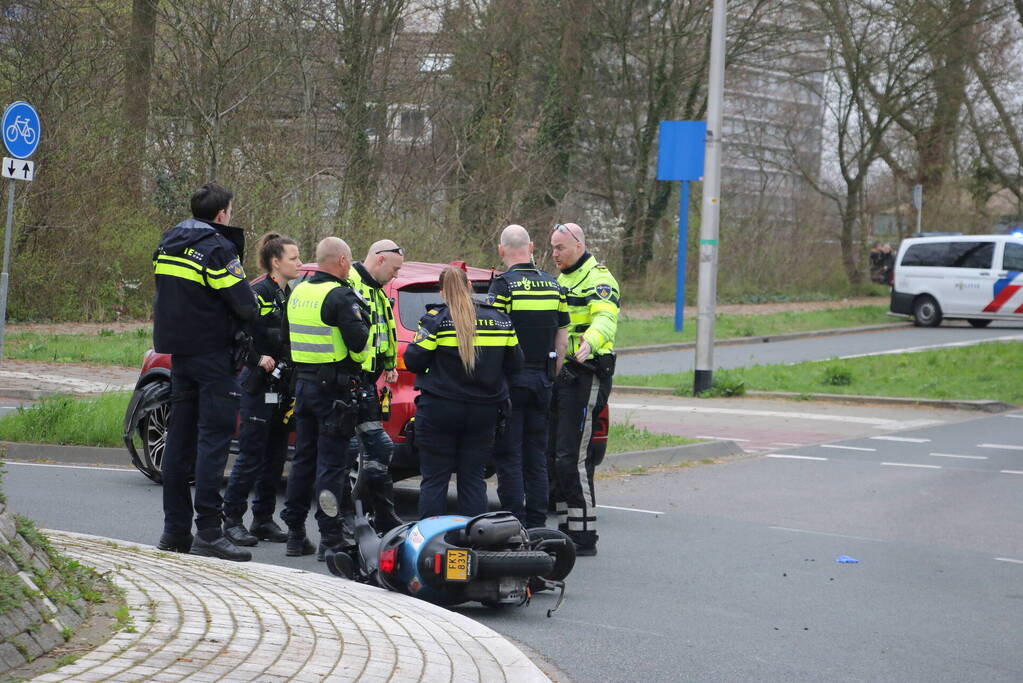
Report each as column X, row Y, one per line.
column 368, row 277
column 536, row 304
column 327, row 322
column 582, row 388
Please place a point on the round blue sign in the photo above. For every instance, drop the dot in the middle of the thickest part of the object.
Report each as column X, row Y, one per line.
column 21, row 129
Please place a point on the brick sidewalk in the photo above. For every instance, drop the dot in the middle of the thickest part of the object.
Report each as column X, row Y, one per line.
column 203, row 619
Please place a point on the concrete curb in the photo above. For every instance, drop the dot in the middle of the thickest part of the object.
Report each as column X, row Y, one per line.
column 735, row 341
column 673, row 455
column 75, row 454
column 987, row 406
column 26, row 394
column 984, row 405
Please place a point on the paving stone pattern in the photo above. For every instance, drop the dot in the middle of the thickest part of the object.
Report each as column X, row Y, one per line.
column 203, row 619
column 37, row 625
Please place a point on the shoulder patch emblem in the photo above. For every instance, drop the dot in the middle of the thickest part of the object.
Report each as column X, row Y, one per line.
column 235, row 268
column 603, row 291
column 432, row 311
column 421, row 334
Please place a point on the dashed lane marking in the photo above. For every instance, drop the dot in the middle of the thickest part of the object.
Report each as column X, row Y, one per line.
column 956, row 455
column 1000, row 446
column 883, row 423
column 1015, row 417
column 793, row 457
column 912, row 464
column 848, row 448
column 827, row 533
column 648, row 512
column 1009, row 559
column 904, row 439
column 70, row 467
column 1011, row 471
column 721, row 438
column 786, row 443
column 917, row 349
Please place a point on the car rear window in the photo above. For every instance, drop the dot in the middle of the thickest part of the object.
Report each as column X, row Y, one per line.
column 413, row 302
column 1013, row 258
column 950, row 254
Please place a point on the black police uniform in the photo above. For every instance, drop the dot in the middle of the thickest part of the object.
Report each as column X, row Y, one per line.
column 457, row 412
column 536, row 304
column 325, row 409
column 263, row 434
column 201, row 299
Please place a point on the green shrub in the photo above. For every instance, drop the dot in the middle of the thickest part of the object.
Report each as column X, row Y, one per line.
column 837, row 376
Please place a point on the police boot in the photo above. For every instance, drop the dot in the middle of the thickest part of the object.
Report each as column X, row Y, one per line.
column 268, row 530
column 298, row 544
column 384, row 516
column 332, row 541
column 236, row 531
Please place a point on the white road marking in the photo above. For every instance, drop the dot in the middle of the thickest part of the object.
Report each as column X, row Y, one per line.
column 70, row 467
column 953, row 455
column 610, row 627
column 1001, row 446
column 828, row 533
column 1011, row 471
column 1017, row 417
column 847, row 448
column 612, row 507
column 720, row 438
column 786, row 443
column 904, row 439
column 912, row 464
column 917, row 349
column 748, row 412
column 1009, row 559
column 793, row 457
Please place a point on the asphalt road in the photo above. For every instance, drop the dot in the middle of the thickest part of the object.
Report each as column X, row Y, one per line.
column 727, row 572
column 818, row 348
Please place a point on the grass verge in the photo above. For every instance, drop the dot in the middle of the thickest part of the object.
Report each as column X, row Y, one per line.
column 661, row 330
column 984, row 371
column 625, row 437
column 105, row 348
column 94, row 421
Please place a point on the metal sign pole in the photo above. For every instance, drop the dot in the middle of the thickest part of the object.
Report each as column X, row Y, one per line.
column 7, row 259
column 683, row 239
column 702, row 378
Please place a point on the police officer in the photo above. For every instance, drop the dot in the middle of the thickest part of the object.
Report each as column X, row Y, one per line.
column 328, row 335
column 202, row 298
column 584, row 382
column 368, row 277
column 536, row 304
column 266, row 397
column 462, row 355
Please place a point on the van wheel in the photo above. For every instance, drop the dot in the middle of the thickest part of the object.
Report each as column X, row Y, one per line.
column 979, row 322
column 926, row 312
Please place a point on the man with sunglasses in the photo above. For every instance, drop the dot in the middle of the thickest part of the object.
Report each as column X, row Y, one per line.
column 368, row 277
column 584, row 383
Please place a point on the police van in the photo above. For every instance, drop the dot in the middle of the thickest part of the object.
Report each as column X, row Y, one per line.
column 977, row 278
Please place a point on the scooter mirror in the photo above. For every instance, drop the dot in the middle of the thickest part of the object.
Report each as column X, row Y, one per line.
column 328, row 503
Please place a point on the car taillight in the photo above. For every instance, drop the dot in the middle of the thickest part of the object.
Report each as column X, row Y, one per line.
column 388, row 560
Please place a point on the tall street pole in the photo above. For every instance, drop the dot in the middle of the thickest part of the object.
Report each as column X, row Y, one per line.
column 707, row 296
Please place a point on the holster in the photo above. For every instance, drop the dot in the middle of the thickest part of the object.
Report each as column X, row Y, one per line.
column 606, row 365
column 341, row 421
column 369, row 405
column 241, row 350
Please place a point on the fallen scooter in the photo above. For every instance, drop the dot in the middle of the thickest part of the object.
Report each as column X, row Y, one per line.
column 449, row 560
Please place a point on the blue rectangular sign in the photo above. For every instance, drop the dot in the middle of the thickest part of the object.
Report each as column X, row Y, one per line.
column 680, row 150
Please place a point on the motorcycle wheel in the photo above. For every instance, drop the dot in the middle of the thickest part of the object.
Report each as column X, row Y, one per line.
column 564, row 557
column 494, row 564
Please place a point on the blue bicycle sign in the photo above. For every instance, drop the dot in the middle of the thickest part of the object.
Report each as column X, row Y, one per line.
column 21, row 129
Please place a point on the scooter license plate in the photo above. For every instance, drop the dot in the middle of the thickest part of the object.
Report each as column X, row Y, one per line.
column 456, row 564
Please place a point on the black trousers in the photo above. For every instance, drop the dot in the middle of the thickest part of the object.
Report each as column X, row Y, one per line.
column 453, row 437
column 262, row 447
column 321, row 458
column 520, row 458
column 574, row 408
column 203, row 413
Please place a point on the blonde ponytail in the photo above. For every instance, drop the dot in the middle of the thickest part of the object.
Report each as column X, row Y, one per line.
column 455, row 285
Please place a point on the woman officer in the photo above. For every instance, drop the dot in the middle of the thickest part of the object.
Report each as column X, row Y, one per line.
column 462, row 355
column 263, row 438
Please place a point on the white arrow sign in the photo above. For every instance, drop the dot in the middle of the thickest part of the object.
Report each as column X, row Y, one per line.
column 19, row 169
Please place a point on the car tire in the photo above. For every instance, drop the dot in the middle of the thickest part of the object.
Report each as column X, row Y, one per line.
column 926, row 312
column 152, row 431
column 979, row 322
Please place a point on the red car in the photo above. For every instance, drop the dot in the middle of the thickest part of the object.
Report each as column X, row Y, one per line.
column 411, row 293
